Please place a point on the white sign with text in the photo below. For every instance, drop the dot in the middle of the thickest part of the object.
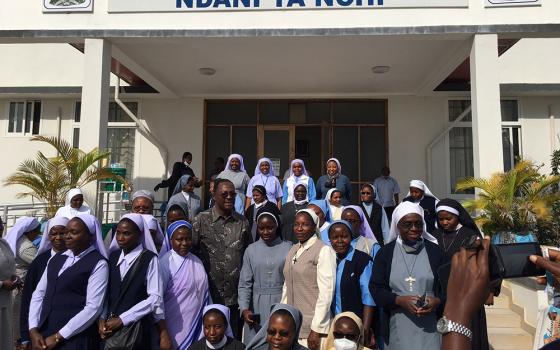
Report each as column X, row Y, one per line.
column 502, row 3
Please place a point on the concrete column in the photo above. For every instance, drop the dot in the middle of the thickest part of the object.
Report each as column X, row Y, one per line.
column 485, row 99
column 95, row 102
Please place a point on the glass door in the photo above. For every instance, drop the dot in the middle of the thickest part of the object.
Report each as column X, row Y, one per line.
column 277, row 143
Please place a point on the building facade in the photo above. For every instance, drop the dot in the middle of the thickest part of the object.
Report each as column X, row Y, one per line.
column 437, row 90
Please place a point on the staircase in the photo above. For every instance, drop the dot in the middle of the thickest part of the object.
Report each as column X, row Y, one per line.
column 505, row 327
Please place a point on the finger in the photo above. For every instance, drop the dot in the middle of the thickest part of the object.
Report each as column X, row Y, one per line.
column 541, row 280
column 553, row 254
column 482, row 258
column 548, row 265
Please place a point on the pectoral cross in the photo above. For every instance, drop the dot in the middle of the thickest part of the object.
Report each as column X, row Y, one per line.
column 410, row 281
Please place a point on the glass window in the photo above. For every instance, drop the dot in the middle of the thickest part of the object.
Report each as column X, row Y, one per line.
column 318, row 112
column 217, row 145
column 274, row 112
column 76, row 138
column 511, row 146
column 24, row 117
column 360, row 112
column 121, row 141
column 118, row 115
column 345, row 144
column 460, row 155
column 372, row 152
column 510, row 110
column 77, row 111
column 456, row 107
column 244, row 141
column 231, row 112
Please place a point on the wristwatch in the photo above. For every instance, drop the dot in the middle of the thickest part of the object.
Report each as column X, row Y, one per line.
column 445, row 326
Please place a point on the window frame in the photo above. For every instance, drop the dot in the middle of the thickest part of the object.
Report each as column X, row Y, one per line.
column 23, row 133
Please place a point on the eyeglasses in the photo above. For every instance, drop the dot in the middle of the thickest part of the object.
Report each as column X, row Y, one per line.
column 408, row 225
column 365, row 193
column 226, row 194
column 352, row 337
column 282, row 332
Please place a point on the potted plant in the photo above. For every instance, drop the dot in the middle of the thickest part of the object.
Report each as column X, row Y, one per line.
column 509, row 205
column 50, row 178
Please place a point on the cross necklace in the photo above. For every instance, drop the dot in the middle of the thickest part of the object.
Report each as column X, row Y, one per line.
column 410, row 280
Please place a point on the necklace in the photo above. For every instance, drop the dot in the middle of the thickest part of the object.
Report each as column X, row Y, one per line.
column 410, row 280
column 450, row 244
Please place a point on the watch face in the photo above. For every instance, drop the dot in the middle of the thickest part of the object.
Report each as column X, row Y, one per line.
column 442, row 326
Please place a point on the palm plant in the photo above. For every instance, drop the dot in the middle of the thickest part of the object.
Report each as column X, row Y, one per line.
column 513, row 201
column 49, row 179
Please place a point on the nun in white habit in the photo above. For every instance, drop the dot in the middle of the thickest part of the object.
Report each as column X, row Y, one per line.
column 420, row 194
column 74, row 204
column 235, row 172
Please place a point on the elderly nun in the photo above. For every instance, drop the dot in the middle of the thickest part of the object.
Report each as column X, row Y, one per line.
column 406, row 269
column 235, row 172
column 69, row 296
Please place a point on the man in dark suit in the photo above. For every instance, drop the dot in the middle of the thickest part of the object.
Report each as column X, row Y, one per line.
column 179, row 169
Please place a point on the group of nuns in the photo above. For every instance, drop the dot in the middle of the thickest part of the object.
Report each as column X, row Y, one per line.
column 321, row 274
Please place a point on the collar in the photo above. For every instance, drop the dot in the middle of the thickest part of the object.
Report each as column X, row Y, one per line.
column 70, row 254
column 306, row 245
column 260, row 204
column 186, row 195
column 53, row 253
column 220, row 345
column 350, row 255
column 178, row 258
column 216, row 216
column 366, row 204
column 130, row 257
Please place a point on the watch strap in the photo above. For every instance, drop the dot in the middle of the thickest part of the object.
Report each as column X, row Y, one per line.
column 459, row 328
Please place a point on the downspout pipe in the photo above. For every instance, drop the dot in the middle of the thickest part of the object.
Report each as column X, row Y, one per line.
column 438, row 138
column 142, row 128
column 552, row 120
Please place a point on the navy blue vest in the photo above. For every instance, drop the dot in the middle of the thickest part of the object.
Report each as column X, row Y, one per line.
column 32, row 278
column 136, row 291
column 350, row 291
column 66, row 294
column 429, row 205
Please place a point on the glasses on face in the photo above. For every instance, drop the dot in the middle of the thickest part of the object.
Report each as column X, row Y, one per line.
column 282, row 332
column 408, row 225
column 227, row 194
column 352, row 337
column 365, row 193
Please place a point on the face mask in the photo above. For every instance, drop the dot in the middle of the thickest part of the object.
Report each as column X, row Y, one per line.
column 345, row 344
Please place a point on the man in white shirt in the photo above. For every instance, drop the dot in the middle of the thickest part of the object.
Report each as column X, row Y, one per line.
column 388, row 191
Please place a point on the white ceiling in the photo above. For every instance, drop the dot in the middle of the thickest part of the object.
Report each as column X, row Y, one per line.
column 291, row 65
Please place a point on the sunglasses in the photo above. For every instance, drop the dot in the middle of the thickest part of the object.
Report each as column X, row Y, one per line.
column 408, row 225
column 352, row 337
column 226, row 194
column 283, row 333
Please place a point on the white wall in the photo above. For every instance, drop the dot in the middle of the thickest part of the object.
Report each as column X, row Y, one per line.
column 531, row 61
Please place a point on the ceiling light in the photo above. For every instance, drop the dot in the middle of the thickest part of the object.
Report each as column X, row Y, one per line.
column 380, row 69
column 207, row 71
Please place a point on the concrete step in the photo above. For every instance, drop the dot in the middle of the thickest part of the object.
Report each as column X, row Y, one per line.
column 501, row 302
column 502, row 338
column 502, row 318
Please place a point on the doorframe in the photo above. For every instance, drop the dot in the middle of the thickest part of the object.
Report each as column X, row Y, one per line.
column 291, row 129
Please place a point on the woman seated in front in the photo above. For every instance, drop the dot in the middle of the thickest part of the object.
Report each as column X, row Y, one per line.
column 216, row 330
column 405, row 282
column 280, row 331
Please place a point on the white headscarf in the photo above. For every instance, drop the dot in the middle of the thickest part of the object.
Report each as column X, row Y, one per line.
column 421, row 186
column 402, row 210
column 46, row 244
column 145, row 235
column 153, row 224
column 339, row 168
column 306, row 199
column 314, row 217
column 258, row 167
column 293, row 180
column 240, row 158
column 143, row 193
column 94, row 229
column 335, row 212
column 23, row 224
column 67, row 211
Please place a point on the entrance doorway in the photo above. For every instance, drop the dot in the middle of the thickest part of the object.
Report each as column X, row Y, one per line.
column 354, row 131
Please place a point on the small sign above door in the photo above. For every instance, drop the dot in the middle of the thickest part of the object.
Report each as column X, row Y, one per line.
column 67, row 6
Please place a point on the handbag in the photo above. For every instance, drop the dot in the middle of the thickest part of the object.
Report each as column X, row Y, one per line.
column 128, row 337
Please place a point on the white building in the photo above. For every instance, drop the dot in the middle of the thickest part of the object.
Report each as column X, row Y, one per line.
column 372, row 85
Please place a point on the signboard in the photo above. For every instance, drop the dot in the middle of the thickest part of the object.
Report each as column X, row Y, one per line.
column 255, row 5
column 67, row 5
column 502, row 3
column 276, row 166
